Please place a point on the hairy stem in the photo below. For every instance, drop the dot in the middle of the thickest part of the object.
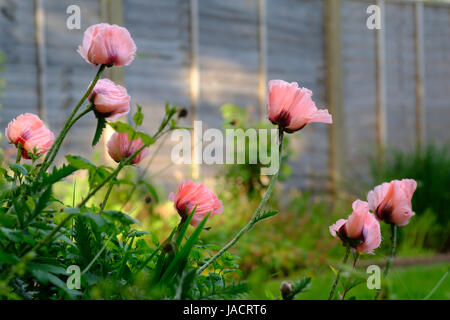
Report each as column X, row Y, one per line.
column 105, row 200
column 65, row 131
column 255, row 216
column 85, row 200
column 338, row 276
column 19, row 152
column 56, row 145
column 391, row 256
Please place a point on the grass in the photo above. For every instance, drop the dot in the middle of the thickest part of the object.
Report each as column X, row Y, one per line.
column 414, row 282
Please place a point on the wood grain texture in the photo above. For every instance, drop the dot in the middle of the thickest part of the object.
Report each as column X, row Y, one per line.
column 230, row 69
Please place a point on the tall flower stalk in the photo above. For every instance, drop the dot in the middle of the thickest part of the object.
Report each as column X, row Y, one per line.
column 256, row 215
column 338, row 275
column 49, row 158
column 391, row 256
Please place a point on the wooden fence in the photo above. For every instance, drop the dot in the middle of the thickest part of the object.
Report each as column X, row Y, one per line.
column 386, row 88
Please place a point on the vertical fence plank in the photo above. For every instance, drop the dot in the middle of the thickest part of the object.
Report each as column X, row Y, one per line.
column 333, row 56
column 419, row 75
column 194, row 80
column 39, row 38
column 380, row 64
column 112, row 12
column 262, row 58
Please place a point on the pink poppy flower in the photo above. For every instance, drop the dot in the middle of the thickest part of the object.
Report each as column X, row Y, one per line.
column 29, row 129
column 110, row 100
column 391, row 202
column 291, row 107
column 191, row 194
column 107, row 44
column 120, row 148
column 361, row 226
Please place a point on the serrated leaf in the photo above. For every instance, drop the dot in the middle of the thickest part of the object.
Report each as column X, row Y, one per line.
column 138, row 117
column 97, row 219
column 101, row 125
column 267, row 214
column 59, row 173
column 80, row 162
column 123, row 218
column 177, row 263
column 18, row 168
column 41, row 204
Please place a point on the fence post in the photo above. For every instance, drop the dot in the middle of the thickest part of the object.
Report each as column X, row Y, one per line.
column 262, row 58
column 419, row 75
column 39, row 38
column 333, row 96
column 194, row 79
column 380, row 84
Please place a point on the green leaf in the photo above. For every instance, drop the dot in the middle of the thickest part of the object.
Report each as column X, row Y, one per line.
column 41, row 204
column 96, row 218
column 16, row 236
column 8, row 258
column 179, row 260
column 46, row 268
column 266, row 214
column 334, row 270
column 18, row 210
column 299, row 286
column 123, row 218
column 59, row 173
column 72, row 210
column 152, row 190
column 146, row 139
column 122, row 127
column 18, row 168
column 138, row 117
column 184, row 227
column 80, row 162
column 101, row 125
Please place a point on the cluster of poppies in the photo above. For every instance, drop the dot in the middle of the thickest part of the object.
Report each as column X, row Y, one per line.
column 103, row 44
column 389, row 202
column 289, row 107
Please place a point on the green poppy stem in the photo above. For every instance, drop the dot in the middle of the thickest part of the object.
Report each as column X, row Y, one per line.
column 338, row 276
column 391, row 256
column 255, row 216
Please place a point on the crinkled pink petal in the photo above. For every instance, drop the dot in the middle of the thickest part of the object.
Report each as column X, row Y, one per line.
column 120, row 148
column 292, row 107
column 191, row 195
column 107, row 44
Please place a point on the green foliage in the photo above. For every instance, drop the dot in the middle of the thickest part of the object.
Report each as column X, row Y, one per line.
column 246, row 178
column 101, row 125
column 43, row 232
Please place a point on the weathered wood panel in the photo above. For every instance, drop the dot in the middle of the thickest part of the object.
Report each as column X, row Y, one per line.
column 68, row 75
column 160, row 71
column 437, row 73
column 17, row 46
column 295, row 53
column 359, row 90
column 228, row 52
column 400, row 73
